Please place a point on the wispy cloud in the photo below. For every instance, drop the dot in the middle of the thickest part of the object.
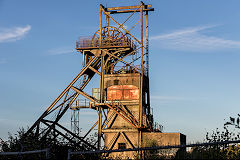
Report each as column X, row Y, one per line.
column 59, row 51
column 13, row 34
column 192, row 39
column 3, row 61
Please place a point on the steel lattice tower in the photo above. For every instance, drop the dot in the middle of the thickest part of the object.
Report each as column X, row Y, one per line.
column 119, row 56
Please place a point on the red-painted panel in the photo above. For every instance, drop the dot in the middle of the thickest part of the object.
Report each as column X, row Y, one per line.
column 122, row 92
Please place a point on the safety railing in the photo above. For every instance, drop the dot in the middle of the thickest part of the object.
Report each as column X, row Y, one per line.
column 127, row 69
column 158, row 127
column 211, row 150
column 84, row 42
column 26, row 153
column 80, row 103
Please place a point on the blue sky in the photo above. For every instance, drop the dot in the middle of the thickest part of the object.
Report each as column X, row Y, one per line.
column 194, row 60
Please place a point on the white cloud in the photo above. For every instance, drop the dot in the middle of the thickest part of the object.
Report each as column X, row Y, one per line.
column 3, row 61
column 13, row 34
column 192, row 39
column 61, row 50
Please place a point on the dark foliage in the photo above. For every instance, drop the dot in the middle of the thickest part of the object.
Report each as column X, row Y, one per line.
column 58, row 147
column 230, row 132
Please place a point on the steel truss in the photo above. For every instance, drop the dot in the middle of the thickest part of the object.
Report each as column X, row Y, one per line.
column 109, row 46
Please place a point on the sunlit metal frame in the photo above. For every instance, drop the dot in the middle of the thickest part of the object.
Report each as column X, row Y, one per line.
column 98, row 64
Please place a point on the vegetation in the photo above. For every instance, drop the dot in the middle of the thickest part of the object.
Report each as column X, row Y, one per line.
column 58, row 147
column 151, row 154
column 230, row 132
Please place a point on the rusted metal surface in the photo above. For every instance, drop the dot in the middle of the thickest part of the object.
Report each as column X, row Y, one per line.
column 127, row 7
column 94, row 43
column 122, row 79
column 130, row 11
column 141, row 84
column 128, row 69
column 124, row 114
column 102, row 53
column 122, row 92
column 111, row 37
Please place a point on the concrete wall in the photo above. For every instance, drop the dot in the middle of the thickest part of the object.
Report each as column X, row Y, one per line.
column 121, row 127
column 119, row 122
column 121, row 79
column 163, row 139
column 150, row 139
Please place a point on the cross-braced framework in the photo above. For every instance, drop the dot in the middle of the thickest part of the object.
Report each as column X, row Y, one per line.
column 117, row 49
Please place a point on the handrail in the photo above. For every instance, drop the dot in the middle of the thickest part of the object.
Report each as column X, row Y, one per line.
column 26, row 152
column 127, row 69
column 70, row 152
column 94, row 43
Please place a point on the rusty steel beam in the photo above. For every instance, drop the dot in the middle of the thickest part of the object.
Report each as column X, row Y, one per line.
column 61, row 95
column 113, row 141
column 141, row 85
column 94, row 70
column 79, row 107
column 90, row 129
column 68, row 131
column 68, row 138
column 131, row 11
column 125, row 29
column 127, row 113
column 60, row 113
column 119, row 25
column 101, row 83
column 127, row 139
column 124, row 117
column 102, row 47
column 108, row 119
column 99, row 63
column 120, row 59
column 120, row 130
column 59, row 117
column 113, row 119
column 84, row 94
column 127, row 7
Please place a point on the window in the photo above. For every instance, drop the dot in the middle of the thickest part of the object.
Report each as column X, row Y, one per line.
column 121, row 145
column 116, row 82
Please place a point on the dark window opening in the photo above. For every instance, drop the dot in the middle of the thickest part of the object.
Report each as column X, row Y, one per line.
column 121, row 145
column 116, row 82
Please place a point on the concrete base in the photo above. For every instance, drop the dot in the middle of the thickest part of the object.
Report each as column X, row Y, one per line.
column 150, row 139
